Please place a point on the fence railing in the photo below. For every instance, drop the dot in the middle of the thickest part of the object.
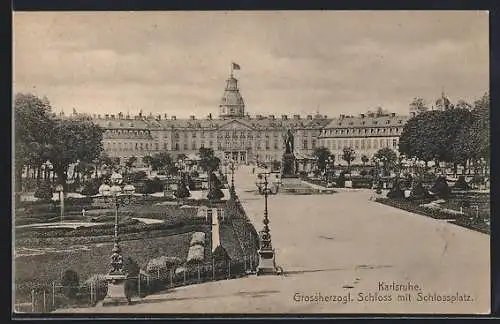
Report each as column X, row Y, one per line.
column 45, row 299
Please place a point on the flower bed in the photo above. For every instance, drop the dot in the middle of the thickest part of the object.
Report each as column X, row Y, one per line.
column 45, row 268
column 423, row 207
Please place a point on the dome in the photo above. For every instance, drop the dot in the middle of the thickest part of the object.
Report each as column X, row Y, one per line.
column 443, row 102
column 232, row 103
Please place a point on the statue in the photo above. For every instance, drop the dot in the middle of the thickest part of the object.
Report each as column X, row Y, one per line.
column 288, row 164
column 289, row 142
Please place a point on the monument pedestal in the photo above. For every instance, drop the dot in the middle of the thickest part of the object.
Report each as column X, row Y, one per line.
column 267, row 264
column 116, row 290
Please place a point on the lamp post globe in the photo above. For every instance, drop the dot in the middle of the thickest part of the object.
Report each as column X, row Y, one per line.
column 116, row 178
column 128, row 189
column 104, row 190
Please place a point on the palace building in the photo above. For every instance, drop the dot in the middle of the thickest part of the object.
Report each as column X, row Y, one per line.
column 236, row 135
column 366, row 135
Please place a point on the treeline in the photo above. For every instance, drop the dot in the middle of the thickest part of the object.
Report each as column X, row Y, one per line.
column 41, row 137
column 458, row 135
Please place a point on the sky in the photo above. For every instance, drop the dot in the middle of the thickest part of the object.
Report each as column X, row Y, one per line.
column 176, row 63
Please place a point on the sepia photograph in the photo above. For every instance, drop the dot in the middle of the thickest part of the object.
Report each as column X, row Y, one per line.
column 251, row 162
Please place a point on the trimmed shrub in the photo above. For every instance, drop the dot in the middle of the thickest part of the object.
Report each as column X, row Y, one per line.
column 215, row 192
column 70, row 283
column 341, row 180
column 461, row 184
column 91, row 187
column 418, row 192
column 396, row 192
column 441, row 188
column 44, row 191
column 182, row 191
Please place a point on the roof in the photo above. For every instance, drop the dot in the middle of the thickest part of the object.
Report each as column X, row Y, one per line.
column 255, row 123
column 382, row 121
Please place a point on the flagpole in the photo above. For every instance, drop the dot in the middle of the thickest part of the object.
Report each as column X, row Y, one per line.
column 232, row 69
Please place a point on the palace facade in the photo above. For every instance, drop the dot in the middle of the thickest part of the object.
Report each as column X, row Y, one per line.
column 234, row 134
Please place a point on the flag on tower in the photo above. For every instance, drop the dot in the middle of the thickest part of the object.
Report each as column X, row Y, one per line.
column 236, row 66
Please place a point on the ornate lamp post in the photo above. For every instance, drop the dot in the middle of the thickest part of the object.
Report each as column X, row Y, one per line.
column 267, row 264
column 116, row 276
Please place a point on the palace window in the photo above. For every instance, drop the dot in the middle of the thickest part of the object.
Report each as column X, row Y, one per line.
column 362, row 144
column 185, row 146
column 164, row 146
column 375, row 143
column 304, row 146
column 381, row 143
column 176, row 146
column 394, row 143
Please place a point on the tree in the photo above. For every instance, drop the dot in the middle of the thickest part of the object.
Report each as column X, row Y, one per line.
column 147, row 160
column 322, row 154
column 418, row 105
column 130, row 162
column 32, row 123
column 348, row 155
column 418, row 136
column 387, row 156
column 364, row 159
column 72, row 140
column 462, row 104
column 208, row 161
column 160, row 160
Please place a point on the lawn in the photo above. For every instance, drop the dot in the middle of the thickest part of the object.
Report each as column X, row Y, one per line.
column 87, row 260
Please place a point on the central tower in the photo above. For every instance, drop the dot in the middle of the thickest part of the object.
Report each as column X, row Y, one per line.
column 232, row 104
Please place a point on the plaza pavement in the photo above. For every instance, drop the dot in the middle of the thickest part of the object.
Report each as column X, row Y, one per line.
column 338, row 244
